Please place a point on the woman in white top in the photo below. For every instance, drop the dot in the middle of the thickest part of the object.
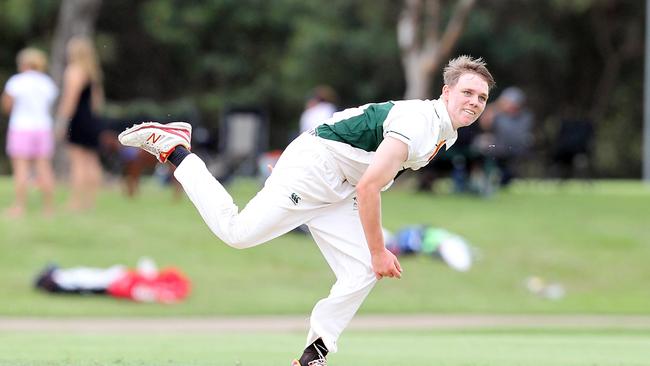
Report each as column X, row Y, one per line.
column 28, row 98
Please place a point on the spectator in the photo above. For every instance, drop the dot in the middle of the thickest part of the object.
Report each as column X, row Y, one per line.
column 510, row 133
column 82, row 96
column 28, row 97
column 320, row 106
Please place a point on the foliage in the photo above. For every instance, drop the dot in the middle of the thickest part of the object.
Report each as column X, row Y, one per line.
column 22, row 24
column 553, row 51
column 572, row 58
column 288, row 47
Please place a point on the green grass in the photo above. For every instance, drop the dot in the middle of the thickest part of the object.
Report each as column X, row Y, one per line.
column 592, row 238
column 442, row 348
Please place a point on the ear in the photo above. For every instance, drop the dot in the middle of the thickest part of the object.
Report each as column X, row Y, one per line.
column 445, row 92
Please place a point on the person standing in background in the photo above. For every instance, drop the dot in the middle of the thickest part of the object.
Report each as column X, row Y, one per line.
column 320, row 106
column 82, row 97
column 28, row 98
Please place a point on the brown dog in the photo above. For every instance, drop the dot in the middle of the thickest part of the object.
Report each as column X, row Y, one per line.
column 133, row 163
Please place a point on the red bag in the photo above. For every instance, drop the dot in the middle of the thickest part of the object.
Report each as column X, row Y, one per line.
column 167, row 286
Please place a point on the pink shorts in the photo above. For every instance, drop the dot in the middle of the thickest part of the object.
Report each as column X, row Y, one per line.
column 30, row 144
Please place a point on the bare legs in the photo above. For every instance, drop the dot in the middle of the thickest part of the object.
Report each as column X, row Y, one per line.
column 20, row 169
column 45, row 181
column 85, row 178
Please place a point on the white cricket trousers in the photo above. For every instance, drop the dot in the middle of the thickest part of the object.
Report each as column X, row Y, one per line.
column 305, row 187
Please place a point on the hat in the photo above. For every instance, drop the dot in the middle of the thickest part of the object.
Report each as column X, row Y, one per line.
column 513, row 94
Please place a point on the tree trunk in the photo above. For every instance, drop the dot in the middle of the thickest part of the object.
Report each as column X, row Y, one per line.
column 76, row 18
column 617, row 43
column 418, row 80
column 422, row 49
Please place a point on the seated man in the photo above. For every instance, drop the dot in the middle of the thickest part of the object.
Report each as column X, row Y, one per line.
column 511, row 131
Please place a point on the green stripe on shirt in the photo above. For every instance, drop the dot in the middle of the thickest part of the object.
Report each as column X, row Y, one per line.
column 365, row 131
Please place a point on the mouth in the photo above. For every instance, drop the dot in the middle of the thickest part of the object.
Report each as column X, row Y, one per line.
column 469, row 112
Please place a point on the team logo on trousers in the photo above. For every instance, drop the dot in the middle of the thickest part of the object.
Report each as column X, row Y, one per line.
column 295, row 198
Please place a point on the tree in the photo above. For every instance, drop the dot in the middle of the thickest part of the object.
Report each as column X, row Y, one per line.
column 573, row 58
column 617, row 38
column 76, row 17
column 423, row 48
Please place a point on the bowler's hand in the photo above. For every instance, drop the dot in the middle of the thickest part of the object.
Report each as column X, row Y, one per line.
column 385, row 264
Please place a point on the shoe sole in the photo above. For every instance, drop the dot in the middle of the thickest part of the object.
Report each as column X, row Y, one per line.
column 172, row 127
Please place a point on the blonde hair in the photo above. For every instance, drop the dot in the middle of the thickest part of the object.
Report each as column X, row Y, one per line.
column 32, row 59
column 464, row 64
column 81, row 52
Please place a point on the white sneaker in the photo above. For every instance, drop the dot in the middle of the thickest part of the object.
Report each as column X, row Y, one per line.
column 156, row 138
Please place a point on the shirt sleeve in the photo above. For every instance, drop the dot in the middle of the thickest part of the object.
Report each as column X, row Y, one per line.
column 11, row 88
column 54, row 90
column 408, row 127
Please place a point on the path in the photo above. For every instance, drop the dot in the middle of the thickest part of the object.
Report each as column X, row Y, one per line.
column 296, row 323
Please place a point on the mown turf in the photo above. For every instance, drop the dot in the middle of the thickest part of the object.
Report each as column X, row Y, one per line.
column 594, row 239
column 440, row 348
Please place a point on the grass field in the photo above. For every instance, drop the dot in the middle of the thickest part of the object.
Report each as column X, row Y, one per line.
column 592, row 238
column 440, row 348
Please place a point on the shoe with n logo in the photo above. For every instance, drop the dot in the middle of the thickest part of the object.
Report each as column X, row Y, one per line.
column 314, row 355
column 158, row 139
column 316, row 362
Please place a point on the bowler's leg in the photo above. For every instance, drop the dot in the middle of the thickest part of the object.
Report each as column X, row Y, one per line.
column 264, row 218
column 261, row 220
column 340, row 237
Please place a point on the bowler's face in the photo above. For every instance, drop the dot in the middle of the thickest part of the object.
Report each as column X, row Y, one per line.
column 466, row 100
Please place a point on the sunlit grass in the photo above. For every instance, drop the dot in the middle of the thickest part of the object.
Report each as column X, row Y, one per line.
column 447, row 348
column 594, row 239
